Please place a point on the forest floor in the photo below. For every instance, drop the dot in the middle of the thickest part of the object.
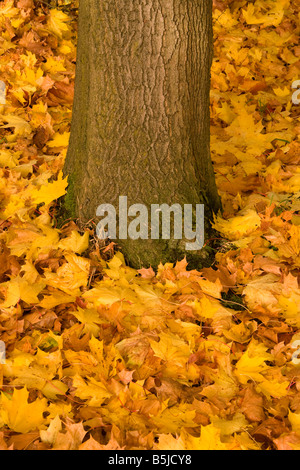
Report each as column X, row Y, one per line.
column 100, row 356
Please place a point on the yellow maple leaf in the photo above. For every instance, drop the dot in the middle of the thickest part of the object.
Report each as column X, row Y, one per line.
column 241, row 333
column 174, row 418
column 273, row 388
column 282, row 93
column 51, row 191
column 75, row 242
column 238, row 226
column 293, row 184
column 8, row 159
column 169, row 442
column 57, row 298
column 225, row 387
column 53, row 388
column 103, row 295
column 95, row 392
column 230, row 426
column 80, row 362
column 37, row 371
column 57, row 23
column 11, row 292
column 134, row 349
column 28, row 79
column 294, row 241
column 53, row 65
column 60, row 408
column 255, row 12
column 71, row 275
column 49, row 436
column 290, row 307
column 117, row 269
column 108, row 360
column 171, row 348
column 21, row 126
column 209, row 439
column 7, row 9
column 72, row 438
column 204, row 307
column 213, row 289
column 252, row 363
column 294, row 419
column 90, row 319
column 29, row 291
column 59, row 140
column 21, row 416
column 263, row 291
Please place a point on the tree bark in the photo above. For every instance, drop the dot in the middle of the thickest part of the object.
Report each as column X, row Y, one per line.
column 141, row 124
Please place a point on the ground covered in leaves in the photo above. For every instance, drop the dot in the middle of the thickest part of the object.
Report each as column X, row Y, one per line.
column 100, row 356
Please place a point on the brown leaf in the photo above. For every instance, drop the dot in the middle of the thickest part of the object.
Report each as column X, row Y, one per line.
column 3, row 444
column 270, row 429
column 288, row 442
column 23, row 441
column 23, row 4
column 61, row 94
column 90, row 444
column 41, row 137
column 252, row 405
column 227, row 279
column 146, row 273
column 32, row 42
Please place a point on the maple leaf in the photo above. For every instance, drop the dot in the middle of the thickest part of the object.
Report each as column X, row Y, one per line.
column 55, row 298
column 263, row 292
column 273, row 17
column 75, row 242
column 49, row 436
column 224, row 387
column 95, row 392
column 11, row 292
column 107, row 359
column 294, row 419
column 59, row 140
column 171, row 349
column 273, row 388
column 51, row 191
column 70, row 439
column 57, row 23
column 19, row 415
column 71, row 275
column 135, row 349
column 228, row 427
column 24, row 369
column 205, row 308
column 21, row 126
column 238, row 226
column 91, row 320
column 289, row 441
column 169, row 442
column 252, row 363
column 174, row 418
column 103, row 295
column 8, row 159
column 209, row 440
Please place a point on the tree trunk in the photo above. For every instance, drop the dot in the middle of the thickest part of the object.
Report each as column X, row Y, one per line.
column 141, row 125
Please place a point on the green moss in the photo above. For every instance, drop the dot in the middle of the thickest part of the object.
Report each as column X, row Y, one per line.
column 66, row 208
column 70, row 198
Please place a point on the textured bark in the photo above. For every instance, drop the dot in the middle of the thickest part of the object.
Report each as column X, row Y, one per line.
column 141, row 112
